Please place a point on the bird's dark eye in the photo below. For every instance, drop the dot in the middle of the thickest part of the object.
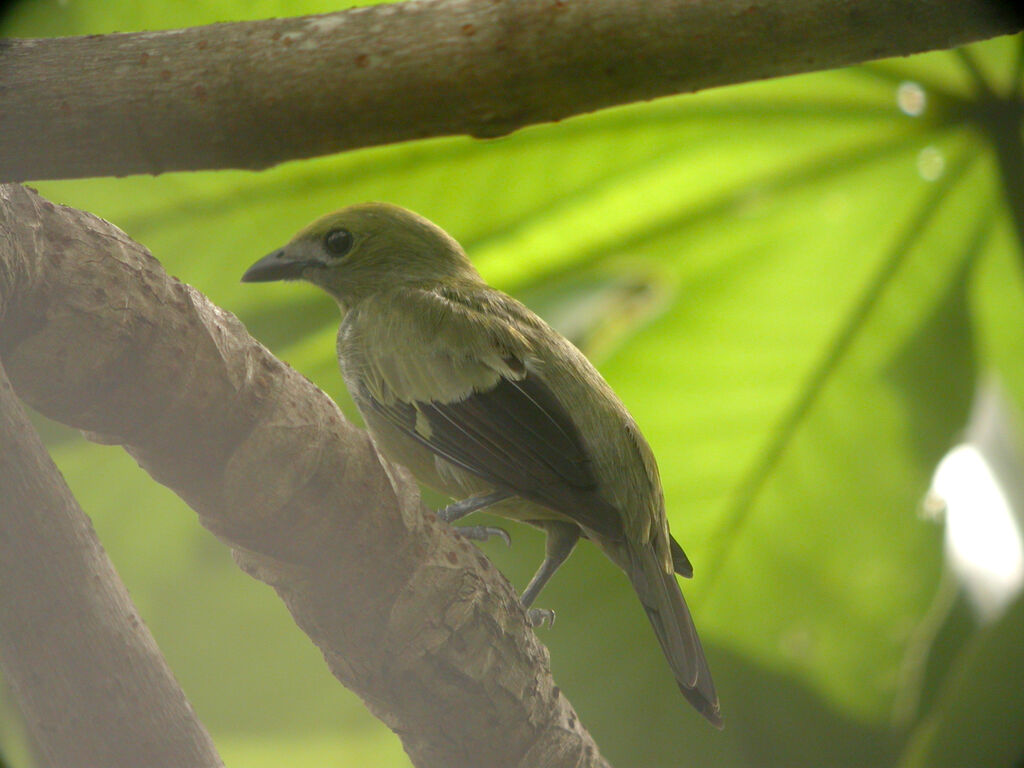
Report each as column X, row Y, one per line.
column 338, row 242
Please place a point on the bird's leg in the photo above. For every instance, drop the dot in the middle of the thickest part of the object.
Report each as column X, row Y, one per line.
column 459, row 509
column 562, row 537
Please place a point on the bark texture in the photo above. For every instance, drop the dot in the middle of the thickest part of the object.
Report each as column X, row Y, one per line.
column 72, row 645
column 253, row 94
column 412, row 617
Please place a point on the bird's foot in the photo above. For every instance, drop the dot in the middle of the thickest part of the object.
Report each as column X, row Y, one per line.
column 459, row 509
column 484, row 532
column 537, row 617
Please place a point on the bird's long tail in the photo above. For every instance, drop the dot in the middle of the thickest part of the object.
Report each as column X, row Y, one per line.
column 663, row 600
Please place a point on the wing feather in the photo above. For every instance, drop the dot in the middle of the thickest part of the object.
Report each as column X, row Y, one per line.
column 461, row 385
column 518, row 437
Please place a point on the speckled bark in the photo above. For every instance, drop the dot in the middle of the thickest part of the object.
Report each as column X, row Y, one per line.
column 252, row 94
column 409, row 615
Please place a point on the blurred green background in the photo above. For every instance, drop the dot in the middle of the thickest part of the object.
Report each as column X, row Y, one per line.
column 796, row 286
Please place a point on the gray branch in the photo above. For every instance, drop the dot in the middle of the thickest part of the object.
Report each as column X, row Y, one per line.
column 87, row 674
column 253, row 94
column 408, row 614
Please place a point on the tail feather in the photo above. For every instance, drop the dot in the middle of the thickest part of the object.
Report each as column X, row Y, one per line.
column 662, row 599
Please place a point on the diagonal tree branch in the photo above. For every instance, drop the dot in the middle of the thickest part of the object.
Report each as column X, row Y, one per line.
column 408, row 614
column 252, row 94
column 71, row 642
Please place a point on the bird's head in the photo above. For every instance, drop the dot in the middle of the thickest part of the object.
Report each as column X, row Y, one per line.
column 364, row 249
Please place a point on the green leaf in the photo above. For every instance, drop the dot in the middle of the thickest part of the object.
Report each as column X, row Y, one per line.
column 792, row 285
column 982, row 696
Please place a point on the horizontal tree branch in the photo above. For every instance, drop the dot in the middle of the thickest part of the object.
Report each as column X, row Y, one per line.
column 253, row 94
column 407, row 613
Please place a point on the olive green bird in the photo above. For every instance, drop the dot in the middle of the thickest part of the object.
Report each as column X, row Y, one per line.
column 483, row 401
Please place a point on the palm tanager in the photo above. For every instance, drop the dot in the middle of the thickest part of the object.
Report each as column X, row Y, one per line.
column 480, row 399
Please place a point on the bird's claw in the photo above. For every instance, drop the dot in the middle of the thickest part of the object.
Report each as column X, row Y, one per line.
column 485, row 532
column 537, row 617
column 459, row 509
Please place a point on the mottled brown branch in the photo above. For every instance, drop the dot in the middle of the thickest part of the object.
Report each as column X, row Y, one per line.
column 253, row 94
column 409, row 615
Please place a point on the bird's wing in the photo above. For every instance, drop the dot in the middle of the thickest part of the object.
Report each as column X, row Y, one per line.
column 507, row 427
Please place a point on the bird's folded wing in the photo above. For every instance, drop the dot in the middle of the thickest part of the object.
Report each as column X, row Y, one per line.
column 479, row 406
column 518, row 437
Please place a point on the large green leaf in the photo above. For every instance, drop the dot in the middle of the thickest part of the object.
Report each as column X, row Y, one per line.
column 792, row 285
column 982, row 695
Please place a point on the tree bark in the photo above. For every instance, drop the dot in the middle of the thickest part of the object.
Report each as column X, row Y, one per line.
column 94, row 690
column 407, row 613
column 253, row 94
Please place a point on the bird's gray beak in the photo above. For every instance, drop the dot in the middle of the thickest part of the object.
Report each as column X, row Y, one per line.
column 275, row 266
